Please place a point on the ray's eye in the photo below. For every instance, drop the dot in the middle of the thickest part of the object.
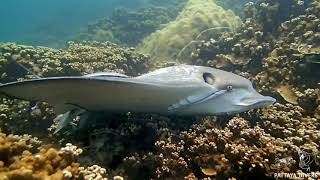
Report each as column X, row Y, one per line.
column 208, row 78
column 229, row 88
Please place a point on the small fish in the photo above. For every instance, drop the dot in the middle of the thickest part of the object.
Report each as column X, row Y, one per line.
column 178, row 90
column 66, row 118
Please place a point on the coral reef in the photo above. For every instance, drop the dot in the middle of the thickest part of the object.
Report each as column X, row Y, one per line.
column 235, row 5
column 123, row 142
column 197, row 16
column 77, row 59
column 271, row 13
column 277, row 47
column 239, row 149
column 276, row 58
column 25, row 157
column 21, row 157
column 128, row 27
column 93, row 172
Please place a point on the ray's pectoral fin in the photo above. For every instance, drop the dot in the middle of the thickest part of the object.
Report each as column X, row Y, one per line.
column 106, row 75
column 193, row 100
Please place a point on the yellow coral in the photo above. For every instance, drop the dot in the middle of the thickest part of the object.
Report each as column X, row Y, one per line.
column 197, row 16
column 17, row 161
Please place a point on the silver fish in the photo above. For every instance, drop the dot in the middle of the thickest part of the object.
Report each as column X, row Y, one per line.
column 179, row 90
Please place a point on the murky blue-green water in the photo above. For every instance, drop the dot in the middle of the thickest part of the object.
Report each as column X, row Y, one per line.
column 38, row 22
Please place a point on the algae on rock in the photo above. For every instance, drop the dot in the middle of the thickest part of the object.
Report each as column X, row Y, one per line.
column 196, row 17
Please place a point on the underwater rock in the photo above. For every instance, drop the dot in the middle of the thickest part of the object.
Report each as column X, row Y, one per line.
column 197, row 16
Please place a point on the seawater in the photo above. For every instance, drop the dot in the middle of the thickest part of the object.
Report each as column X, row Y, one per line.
column 37, row 22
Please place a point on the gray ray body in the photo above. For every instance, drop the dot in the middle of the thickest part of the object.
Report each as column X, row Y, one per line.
column 181, row 90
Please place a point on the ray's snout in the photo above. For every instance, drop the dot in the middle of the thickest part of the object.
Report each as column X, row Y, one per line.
column 256, row 100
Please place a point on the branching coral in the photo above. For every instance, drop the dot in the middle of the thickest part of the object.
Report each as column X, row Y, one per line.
column 238, row 149
column 23, row 157
column 20, row 159
column 93, row 172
